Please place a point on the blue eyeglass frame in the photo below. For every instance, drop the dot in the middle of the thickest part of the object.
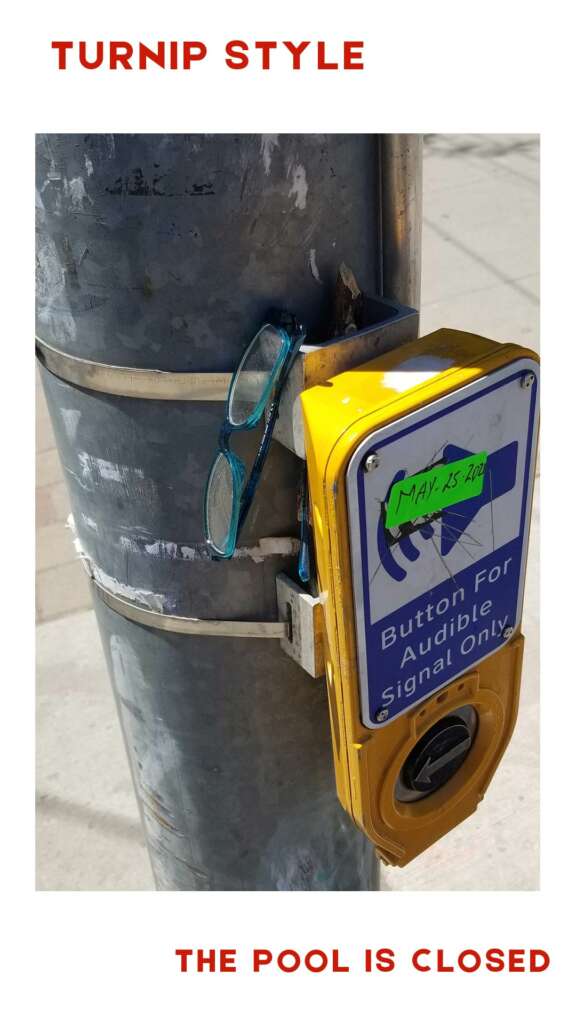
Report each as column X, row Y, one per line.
column 243, row 493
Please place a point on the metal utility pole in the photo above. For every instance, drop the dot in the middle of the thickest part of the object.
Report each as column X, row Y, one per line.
column 400, row 172
column 163, row 253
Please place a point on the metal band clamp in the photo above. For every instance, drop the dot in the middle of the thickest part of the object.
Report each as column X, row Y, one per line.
column 189, row 626
column 129, row 608
column 130, row 382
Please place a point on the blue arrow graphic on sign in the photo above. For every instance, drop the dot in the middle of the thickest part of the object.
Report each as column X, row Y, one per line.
column 499, row 478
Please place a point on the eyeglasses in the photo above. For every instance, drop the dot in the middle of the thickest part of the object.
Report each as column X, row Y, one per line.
column 256, row 384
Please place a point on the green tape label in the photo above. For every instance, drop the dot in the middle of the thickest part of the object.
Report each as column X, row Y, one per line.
column 436, row 488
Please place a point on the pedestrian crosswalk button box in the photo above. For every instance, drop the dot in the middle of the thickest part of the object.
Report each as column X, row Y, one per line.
column 421, row 468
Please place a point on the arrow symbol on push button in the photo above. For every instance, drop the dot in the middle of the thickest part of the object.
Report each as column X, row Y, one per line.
column 439, row 753
column 424, row 776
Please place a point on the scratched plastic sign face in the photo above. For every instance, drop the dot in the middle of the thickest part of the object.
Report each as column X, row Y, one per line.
column 438, row 535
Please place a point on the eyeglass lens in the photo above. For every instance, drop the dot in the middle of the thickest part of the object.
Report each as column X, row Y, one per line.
column 253, row 375
column 220, row 503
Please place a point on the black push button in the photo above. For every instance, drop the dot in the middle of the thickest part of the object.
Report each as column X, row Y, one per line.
column 437, row 756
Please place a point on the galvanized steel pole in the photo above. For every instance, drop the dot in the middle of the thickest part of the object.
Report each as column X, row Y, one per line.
column 164, row 252
column 400, row 174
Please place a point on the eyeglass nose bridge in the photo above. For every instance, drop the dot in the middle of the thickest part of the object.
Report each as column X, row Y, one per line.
column 224, row 435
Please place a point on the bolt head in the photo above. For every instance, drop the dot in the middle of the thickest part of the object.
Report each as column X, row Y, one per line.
column 527, row 380
column 507, row 633
column 371, row 462
column 381, row 715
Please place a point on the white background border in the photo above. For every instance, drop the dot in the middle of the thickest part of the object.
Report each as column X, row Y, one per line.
column 444, row 66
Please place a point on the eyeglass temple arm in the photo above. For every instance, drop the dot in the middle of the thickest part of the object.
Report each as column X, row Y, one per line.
column 304, row 568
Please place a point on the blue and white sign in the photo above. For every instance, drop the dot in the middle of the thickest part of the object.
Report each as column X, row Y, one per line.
column 437, row 597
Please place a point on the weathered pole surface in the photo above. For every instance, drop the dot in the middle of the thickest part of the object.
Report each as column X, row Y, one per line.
column 164, row 252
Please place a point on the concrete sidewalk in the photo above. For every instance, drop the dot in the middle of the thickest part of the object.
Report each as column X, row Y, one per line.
column 480, row 273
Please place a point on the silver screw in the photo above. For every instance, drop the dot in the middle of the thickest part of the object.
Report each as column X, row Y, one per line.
column 527, row 380
column 381, row 715
column 371, row 462
column 507, row 632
